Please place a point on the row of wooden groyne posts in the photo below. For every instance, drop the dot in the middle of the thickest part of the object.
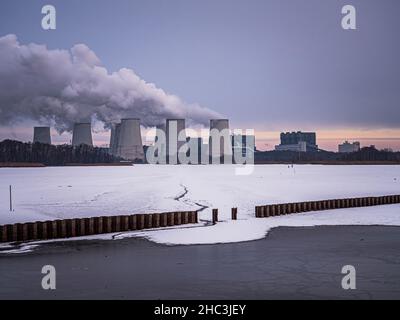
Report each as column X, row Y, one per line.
column 70, row 228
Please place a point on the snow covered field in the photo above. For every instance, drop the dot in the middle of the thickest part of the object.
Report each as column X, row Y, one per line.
column 66, row 192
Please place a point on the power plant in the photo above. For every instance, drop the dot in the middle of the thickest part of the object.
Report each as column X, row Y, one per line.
column 127, row 140
column 82, row 134
column 41, row 135
column 298, row 142
column 220, row 142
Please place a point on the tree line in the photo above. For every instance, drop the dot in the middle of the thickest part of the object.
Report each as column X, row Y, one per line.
column 53, row 155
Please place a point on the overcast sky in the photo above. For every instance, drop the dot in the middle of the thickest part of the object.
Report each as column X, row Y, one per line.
column 270, row 65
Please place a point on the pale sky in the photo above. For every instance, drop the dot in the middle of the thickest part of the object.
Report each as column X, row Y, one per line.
column 268, row 65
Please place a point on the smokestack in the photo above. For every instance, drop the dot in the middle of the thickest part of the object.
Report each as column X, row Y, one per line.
column 174, row 127
column 115, row 130
column 41, row 135
column 129, row 144
column 225, row 147
column 82, row 134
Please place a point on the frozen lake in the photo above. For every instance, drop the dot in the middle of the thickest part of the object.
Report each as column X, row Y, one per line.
column 66, row 192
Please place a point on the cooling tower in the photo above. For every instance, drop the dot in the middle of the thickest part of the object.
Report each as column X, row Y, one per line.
column 82, row 134
column 41, row 135
column 115, row 130
column 174, row 127
column 225, row 144
column 129, row 145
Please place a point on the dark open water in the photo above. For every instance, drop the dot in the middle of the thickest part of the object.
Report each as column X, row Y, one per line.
column 291, row 263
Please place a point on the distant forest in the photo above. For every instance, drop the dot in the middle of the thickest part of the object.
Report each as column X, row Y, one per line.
column 60, row 155
column 52, row 155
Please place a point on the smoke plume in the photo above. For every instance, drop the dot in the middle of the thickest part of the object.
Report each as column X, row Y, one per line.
column 61, row 87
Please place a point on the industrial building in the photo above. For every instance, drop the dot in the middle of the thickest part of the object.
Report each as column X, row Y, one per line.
column 126, row 140
column 220, row 141
column 82, row 134
column 41, row 135
column 348, row 147
column 298, row 141
column 115, row 130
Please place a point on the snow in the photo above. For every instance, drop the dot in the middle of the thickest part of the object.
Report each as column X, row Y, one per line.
column 258, row 228
column 66, row 192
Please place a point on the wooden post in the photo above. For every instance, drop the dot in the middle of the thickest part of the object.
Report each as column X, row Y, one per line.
column 234, row 213
column 124, row 223
column 62, row 228
column 32, row 231
column 54, row 231
column 18, row 226
column 191, row 217
column 164, row 220
column 140, row 221
column 268, row 211
column 170, row 219
column 178, row 218
column 156, row 220
column 262, row 212
column 82, row 227
column 214, row 216
column 185, row 217
column 11, row 206
column 132, row 222
column 91, row 226
column 3, row 234
column 14, row 232
column 25, row 232
column 98, row 225
column 71, row 226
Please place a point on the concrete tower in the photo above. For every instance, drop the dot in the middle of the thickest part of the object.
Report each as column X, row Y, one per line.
column 115, row 130
column 220, row 126
column 174, row 128
column 82, row 134
column 129, row 144
column 41, row 135
column 161, row 151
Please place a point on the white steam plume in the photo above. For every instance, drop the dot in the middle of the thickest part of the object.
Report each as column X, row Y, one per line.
column 61, row 87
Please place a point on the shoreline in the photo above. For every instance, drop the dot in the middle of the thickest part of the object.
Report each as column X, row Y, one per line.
column 119, row 237
column 316, row 163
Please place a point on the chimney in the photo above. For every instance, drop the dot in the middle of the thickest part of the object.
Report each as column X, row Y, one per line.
column 82, row 134
column 41, row 135
column 129, row 144
column 115, row 130
column 225, row 147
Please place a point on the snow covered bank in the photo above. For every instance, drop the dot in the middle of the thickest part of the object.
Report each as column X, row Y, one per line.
column 66, row 192
column 257, row 228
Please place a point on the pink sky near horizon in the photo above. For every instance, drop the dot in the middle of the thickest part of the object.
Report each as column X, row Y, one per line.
column 265, row 140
